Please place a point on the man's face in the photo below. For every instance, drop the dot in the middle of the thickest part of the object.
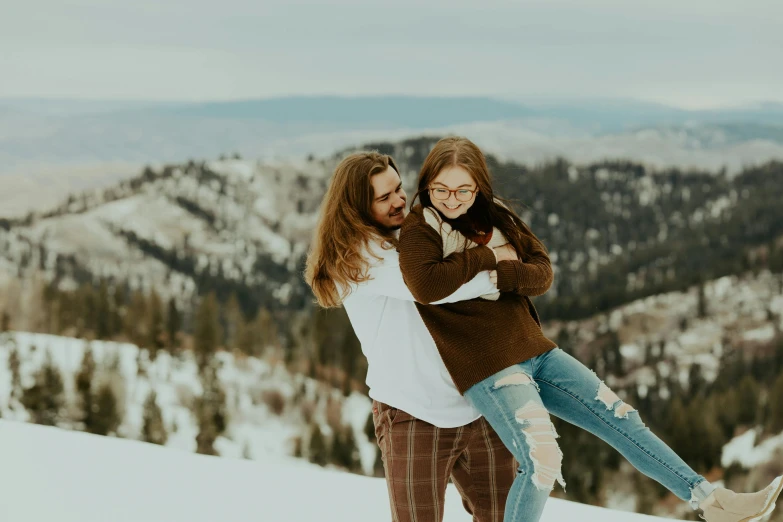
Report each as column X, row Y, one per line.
column 388, row 206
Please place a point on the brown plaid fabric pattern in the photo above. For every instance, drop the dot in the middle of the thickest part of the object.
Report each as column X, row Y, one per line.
column 419, row 458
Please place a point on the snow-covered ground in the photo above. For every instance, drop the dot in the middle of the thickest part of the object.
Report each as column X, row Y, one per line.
column 84, row 477
column 53, row 475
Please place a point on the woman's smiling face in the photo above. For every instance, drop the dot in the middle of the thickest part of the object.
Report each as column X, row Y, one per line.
column 453, row 178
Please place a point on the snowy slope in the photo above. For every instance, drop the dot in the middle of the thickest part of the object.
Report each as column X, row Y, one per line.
column 253, row 430
column 51, row 475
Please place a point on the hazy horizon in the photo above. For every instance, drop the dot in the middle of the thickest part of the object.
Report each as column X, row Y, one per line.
column 694, row 55
column 531, row 100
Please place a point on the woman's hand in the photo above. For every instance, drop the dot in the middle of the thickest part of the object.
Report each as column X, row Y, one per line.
column 506, row 253
column 493, row 276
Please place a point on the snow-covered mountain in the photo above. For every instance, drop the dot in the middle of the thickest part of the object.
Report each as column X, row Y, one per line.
column 49, row 475
column 742, row 313
column 245, row 226
column 242, row 223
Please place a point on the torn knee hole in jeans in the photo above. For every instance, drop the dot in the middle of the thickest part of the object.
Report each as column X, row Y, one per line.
column 613, row 402
column 540, row 435
column 515, row 379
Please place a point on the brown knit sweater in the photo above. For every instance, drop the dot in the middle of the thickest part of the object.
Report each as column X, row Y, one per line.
column 475, row 338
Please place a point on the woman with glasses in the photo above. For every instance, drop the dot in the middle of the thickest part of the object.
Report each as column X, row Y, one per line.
column 500, row 359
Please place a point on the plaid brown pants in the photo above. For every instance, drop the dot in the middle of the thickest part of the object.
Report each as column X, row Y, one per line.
column 419, row 458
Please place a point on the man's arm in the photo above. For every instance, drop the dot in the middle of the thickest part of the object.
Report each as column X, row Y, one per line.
column 386, row 280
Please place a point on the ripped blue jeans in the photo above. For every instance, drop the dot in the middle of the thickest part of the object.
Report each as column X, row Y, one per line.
column 517, row 402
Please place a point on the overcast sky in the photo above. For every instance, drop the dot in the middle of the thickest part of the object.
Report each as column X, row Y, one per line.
column 690, row 53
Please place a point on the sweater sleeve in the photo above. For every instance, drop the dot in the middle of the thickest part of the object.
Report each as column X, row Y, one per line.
column 385, row 280
column 531, row 277
column 428, row 275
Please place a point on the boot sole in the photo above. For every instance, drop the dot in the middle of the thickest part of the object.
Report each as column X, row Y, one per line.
column 770, row 502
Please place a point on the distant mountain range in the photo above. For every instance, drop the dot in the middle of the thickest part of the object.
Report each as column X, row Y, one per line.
column 606, row 115
column 51, row 147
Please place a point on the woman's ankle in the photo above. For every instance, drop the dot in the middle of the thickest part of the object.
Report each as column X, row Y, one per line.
column 701, row 495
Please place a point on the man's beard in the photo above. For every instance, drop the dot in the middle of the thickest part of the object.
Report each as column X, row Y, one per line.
column 400, row 210
column 389, row 228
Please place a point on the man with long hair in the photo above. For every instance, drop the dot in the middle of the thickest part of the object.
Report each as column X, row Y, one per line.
column 426, row 430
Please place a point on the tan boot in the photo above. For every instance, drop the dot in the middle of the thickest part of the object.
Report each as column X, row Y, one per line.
column 723, row 505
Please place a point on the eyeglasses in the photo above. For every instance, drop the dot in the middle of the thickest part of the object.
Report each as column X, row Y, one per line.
column 442, row 194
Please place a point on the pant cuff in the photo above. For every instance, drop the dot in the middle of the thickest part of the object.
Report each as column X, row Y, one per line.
column 699, row 492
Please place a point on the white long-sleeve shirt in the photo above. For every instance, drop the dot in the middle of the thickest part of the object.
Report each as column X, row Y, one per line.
column 405, row 369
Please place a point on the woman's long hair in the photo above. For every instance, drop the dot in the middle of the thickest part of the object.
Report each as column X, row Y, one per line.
column 345, row 228
column 488, row 209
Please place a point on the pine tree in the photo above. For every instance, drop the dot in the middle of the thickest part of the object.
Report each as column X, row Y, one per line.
column 234, row 321
column 14, row 364
column 775, row 408
column 88, row 320
column 211, row 411
column 369, row 428
column 707, row 451
column 106, row 415
column 119, row 306
column 344, row 450
column 728, row 413
column 648, row 354
column 612, row 356
column 154, row 324
column 297, row 451
column 267, row 329
column 679, row 430
column 563, row 340
column 153, row 430
column 684, row 324
column 46, row 397
column 696, row 382
column 84, row 387
column 702, row 302
column 207, row 332
column 51, row 303
column 248, row 338
column 103, row 313
column 135, row 323
column 173, row 325
column 748, row 393
column 319, row 452
column 141, row 363
column 5, row 322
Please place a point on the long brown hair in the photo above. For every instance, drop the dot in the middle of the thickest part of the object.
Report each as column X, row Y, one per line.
column 488, row 209
column 345, row 227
